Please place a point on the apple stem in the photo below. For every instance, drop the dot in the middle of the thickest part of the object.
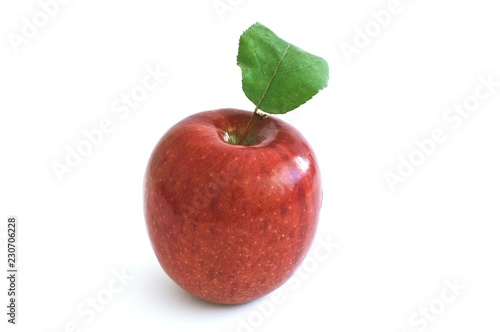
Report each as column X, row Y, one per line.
column 256, row 117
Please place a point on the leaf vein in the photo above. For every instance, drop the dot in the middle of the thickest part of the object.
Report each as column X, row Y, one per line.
column 273, row 76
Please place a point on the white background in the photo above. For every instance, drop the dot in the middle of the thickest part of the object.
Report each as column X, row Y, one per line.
column 397, row 249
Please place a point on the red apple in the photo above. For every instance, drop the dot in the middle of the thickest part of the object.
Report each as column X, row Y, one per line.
column 230, row 222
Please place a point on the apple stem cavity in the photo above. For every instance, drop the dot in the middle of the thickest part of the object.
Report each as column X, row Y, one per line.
column 291, row 76
column 256, row 117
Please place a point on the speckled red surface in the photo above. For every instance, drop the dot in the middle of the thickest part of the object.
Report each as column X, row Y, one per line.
column 231, row 223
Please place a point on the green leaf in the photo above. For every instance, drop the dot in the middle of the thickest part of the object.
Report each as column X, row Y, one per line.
column 278, row 76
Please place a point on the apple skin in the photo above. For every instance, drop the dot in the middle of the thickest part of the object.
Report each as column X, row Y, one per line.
column 231, row 223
